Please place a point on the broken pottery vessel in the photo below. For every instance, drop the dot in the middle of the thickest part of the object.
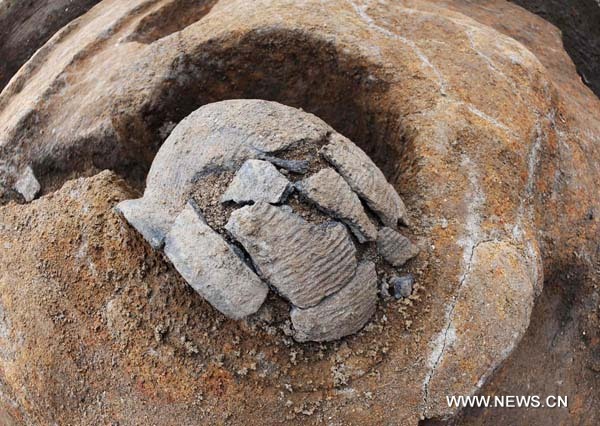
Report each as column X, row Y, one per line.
column 255, row 153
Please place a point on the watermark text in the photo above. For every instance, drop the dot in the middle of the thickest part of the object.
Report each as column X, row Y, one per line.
column 507, row 401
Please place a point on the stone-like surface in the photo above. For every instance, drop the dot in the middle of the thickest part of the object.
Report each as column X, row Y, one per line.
column 330, row 193
column 304, row 262
column 212, row 268
column 255, row 181
column 27, row 185
column 366, row 179
column 395, row 248
column 402, row 285
column 342, row 313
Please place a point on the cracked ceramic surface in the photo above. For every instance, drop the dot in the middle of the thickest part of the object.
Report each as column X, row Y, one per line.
column 313, row 264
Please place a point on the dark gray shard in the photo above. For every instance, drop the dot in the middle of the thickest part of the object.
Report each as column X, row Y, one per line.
column 27, row 185
column 403, row 285
column 212, row 267
column 394, row 247
column 303, row 261
column 255, row 181
column 384, row 289
column 342, row 313
column 295, row 166
column 148, row 219
column 365, row 178
column 331, row 194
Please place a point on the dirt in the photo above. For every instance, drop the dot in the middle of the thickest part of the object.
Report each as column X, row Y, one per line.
column 485, row 137
column 559, row 355
column 152, row 312
column 26, row 25
column 207, row 194
column 579, row 22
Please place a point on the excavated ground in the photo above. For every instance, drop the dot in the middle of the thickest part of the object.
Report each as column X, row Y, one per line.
column 65, row 359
